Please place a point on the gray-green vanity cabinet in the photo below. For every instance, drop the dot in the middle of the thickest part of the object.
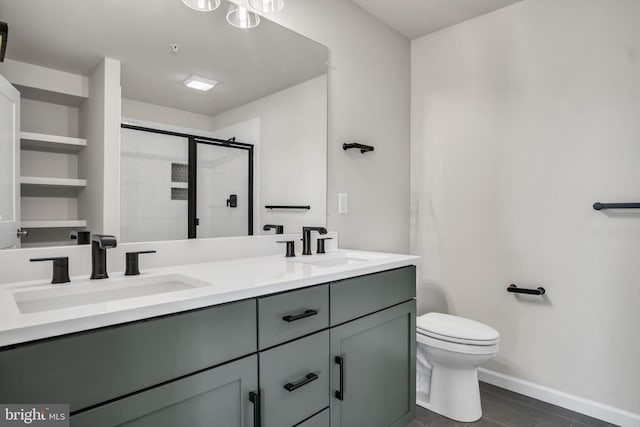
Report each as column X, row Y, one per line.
column 290, row 315
column 218, row 397
column 88, row 368
column 279, row 359
column 294, row 358
column 373, row 357
column 319, row 420
column 294, row 380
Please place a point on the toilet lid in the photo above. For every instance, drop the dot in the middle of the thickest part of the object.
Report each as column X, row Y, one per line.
column 456, row 329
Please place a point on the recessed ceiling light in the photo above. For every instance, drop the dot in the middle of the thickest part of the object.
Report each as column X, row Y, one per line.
column 200, row 83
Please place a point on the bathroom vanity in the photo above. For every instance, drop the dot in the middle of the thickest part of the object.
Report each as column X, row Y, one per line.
column 323, row 340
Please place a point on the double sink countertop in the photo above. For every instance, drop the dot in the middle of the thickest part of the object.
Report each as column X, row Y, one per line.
column 37, row 309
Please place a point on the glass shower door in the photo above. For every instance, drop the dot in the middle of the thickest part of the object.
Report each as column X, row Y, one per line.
column 223, row 190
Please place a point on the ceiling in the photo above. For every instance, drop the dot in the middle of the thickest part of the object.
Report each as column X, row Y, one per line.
column 416, row 18
column 74, row 36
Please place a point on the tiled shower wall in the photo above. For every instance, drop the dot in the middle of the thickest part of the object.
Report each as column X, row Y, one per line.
column 148, row 212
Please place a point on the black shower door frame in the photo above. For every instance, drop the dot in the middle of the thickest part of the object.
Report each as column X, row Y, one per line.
column 192, row 198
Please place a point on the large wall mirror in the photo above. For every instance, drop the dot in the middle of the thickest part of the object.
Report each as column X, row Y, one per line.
column 114, row 141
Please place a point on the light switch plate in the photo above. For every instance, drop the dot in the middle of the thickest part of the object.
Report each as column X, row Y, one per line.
column 343, row 203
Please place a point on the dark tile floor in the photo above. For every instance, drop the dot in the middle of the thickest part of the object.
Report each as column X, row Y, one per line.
column 503, row 408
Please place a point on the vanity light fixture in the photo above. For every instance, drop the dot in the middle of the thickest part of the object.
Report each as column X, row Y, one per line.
column 200, row 83
column 267, row 6
column 202, row 5
column 4, row 31
column 241, row 17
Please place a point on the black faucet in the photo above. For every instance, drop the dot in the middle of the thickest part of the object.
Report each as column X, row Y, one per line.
column 306, row 238
column 99, row 245
column 82, row 236
column 60, row 268
column 279, row 228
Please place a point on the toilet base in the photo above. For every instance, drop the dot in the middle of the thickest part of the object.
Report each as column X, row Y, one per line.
column 454, row 394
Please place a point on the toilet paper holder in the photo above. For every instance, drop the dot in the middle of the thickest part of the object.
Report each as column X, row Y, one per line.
column 514, row 289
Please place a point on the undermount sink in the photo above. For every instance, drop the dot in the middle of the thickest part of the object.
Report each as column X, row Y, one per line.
column 338, row 259
column 100, row 291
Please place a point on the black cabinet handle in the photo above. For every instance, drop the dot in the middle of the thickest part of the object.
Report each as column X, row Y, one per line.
column 339, row 394
column 306, row 380
column 516, row 290
column 294, row 317
column 255, row 399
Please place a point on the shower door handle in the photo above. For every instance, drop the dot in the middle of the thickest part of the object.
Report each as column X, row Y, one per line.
column 232, row 201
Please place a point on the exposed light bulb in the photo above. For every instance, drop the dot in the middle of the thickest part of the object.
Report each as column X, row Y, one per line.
column 267, row 6
column 202, row 5
column 240, row 17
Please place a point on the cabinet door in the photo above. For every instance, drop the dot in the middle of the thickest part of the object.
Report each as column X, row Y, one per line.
column 373, row 369
column 9, row 164
column 219, row 397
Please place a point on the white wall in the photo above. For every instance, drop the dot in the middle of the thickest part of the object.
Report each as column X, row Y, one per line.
column 368, row 103
column 143, row 111
column 44, row 117
column 99, row 161
column 292, row 152
column 30, row 76
column 521, row 120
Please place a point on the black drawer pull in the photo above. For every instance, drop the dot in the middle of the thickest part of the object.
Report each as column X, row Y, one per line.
column 339, row 394
column 516, row 290
column 294, row 317
column 294, row 386
column 255, row 399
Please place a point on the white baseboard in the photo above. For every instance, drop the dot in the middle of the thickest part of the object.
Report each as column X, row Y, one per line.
column 559, row 398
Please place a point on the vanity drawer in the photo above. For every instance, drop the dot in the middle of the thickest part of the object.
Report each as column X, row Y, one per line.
column 215, row 397
column 318, row 420
column 287, row 316
column 359, row 296
column 87, row 368
column 294, row 379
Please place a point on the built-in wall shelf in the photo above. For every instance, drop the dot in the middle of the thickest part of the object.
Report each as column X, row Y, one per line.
column 48, row 244
column 53, row 182
column 184, row 185
column 73, row 223
column 41, row 141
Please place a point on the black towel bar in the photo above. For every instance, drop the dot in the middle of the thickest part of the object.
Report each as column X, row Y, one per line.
column 599, row 206
column 287, row 207
column 513, row 288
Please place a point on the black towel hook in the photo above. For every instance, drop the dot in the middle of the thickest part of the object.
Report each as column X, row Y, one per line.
column 363, row 148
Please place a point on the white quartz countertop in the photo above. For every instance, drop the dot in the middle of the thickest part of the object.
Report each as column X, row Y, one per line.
column 212, row 283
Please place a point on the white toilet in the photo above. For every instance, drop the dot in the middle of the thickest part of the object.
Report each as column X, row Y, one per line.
column 453, row 348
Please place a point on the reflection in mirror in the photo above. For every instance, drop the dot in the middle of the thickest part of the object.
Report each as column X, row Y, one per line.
column 93, row 67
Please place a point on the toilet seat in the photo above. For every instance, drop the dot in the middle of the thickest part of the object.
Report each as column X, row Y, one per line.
column 457, row 330
column 457, row 347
